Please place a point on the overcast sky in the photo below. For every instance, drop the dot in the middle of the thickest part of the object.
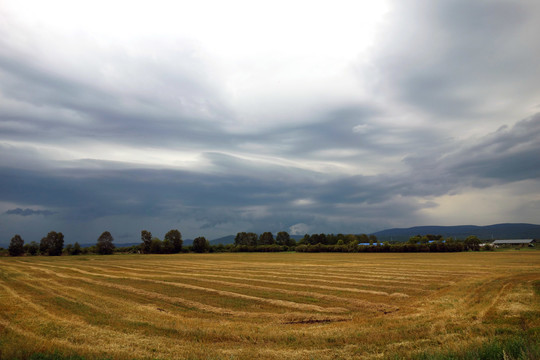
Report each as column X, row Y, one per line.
column 214, row 117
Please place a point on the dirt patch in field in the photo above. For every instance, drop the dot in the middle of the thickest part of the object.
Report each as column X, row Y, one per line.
column 314, row 320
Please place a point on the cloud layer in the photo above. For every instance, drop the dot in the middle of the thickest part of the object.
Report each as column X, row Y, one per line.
column 28, row 212
column 435, row 112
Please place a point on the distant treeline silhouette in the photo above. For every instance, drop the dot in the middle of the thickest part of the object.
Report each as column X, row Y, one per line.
column 172, row 243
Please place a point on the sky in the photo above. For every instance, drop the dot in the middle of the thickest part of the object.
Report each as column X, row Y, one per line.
column 215, row 117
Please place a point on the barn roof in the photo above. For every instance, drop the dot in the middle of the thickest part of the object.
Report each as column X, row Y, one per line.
column 514, row 241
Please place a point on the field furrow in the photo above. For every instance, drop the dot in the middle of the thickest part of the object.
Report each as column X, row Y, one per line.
column 282, row 303
column 264, row 306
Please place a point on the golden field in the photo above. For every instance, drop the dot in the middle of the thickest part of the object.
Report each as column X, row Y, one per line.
column 265, row 305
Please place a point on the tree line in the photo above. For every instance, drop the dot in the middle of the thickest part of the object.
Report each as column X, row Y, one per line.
column 471, row 243
column 172, row 243
column 52, row 244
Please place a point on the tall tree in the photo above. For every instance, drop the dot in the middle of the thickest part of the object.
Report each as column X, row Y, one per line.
column 146, row 237
column 240, row 239
column 16, row 246
column 266, row 238
column 44, row 245
column 252, row 238
column 175, row 237
column 244, row 238
column 52, row 244
column 315, row 239
column 200, row 245
column 283, row 238
column 105, row 244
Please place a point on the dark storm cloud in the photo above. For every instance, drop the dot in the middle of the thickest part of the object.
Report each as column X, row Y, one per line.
column 505, row 156
column 98, row 193
column 264, row 197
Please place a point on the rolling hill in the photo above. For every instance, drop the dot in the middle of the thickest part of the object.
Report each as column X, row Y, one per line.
column 496, row 231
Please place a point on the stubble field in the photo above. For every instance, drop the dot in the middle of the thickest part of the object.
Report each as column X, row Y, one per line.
column 267, row 306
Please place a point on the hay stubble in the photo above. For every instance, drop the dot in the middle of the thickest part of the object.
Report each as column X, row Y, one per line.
column 290, row 306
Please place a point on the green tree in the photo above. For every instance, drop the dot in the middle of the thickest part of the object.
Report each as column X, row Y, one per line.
column 76, row 249
column 472, row 243
column 291, row 242
column 33, row 248
column 415, row 239
column 44, row 246
column 304, row 240
column 146, row 237
column 244, row 238
column 68, row 249
column 351, row 239
column 252, row 238
column 200, row 245
column 424, row 239
column 283, row 238
column 16, row 246
column 52, row 244
column 156, row 247
column 240, row 239
column 266, row 238
column 332, row 239
column 317, row 239
column 363, row 238
column 105, row 244
column 167, row 246
column 175, row 238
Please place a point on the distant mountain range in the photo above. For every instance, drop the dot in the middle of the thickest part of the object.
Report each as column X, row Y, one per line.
column 497, row 231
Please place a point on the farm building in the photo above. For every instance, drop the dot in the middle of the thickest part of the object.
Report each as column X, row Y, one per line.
column 515, row 242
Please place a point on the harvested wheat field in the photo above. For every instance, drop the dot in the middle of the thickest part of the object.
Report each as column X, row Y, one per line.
column 268, row 306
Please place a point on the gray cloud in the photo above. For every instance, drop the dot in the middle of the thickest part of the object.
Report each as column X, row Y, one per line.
column 29, row 212
column 443, row 76
column 259, row 197
column 457, row 59
column 507, row 155
column 155, row 102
